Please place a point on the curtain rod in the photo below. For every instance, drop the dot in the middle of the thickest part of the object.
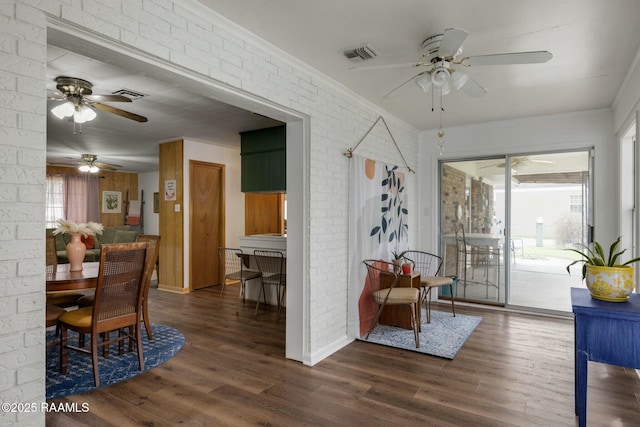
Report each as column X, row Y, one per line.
column 349, row 152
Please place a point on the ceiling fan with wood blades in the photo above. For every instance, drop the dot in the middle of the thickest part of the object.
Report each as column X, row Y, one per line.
column 441, row 55
column 89, row 163
column 79, row 101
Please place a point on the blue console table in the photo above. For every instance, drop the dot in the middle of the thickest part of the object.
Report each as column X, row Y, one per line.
column 605, row 332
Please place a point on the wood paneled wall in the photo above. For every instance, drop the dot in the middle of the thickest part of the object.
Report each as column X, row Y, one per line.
column 124, row 182
column 171, row 274
column 264, row 213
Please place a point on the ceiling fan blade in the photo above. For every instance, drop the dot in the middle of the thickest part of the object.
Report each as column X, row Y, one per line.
column 107, row 166
column 536, row 57
column 394, row 92
column 108, row 98
column 119, row 112
column 452, row 40
column 473, row 88
column 386, row 66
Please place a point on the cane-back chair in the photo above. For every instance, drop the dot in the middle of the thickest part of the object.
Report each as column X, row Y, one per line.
column 116, row 307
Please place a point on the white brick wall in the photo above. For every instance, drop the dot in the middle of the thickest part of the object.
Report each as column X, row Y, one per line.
column 22, row 168
column 183, row 33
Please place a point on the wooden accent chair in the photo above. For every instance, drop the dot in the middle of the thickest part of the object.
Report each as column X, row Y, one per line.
column 117, row 304
column 429, row 266
column 271, row 266
column 379, row 275
column 232, row 261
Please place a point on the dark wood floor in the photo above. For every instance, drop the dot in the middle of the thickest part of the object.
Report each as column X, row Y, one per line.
column 514, row 370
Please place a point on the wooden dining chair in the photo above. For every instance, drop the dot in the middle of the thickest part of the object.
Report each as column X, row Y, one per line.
column 152, row 260
column 382, row 281
column 53, row 312
column 233, row 262
column 429, row 266
column 154, row 250
column 272, row 270
column 62, row 298
column 117, row 304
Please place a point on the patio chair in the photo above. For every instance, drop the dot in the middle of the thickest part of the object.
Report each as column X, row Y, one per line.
column 232, row 260
column 470, row 258
column 272, row 272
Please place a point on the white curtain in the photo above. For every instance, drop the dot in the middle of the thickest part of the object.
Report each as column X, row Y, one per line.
column 377, row 226
column 54, row 200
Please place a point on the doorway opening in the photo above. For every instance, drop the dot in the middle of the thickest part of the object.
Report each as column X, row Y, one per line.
column 105, row 50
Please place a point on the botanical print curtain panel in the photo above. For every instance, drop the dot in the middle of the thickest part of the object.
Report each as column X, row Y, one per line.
column 377, row 226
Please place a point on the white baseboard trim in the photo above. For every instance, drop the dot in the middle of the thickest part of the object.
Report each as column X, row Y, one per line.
column 315, row 357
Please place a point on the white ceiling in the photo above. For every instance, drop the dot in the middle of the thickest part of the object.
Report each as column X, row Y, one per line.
column 593, row 43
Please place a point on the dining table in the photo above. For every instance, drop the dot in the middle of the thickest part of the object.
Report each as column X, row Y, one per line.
column 60, row 278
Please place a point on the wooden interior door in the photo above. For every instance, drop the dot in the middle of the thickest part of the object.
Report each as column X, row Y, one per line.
column 206, row 221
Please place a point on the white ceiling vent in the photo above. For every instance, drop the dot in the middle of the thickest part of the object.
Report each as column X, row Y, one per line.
column 362, row 53
column 129, row 93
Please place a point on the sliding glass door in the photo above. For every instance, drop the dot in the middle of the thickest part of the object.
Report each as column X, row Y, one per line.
column 518, row 215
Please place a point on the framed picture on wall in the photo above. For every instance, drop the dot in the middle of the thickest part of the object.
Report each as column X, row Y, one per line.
column 111, row 202
column 156, row 202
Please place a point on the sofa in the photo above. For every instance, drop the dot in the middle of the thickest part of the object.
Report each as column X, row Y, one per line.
column 118, row 234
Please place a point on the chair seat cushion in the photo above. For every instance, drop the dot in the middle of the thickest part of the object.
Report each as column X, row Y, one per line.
column 397, row 296
column 436, row 281
column 79, row 318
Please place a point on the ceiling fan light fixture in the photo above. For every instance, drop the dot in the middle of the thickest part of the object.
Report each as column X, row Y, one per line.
column 84, row 168
column 440, row 74
column 84, row 114
column 424, row 81
column 459, row 79
column 442, row 90
column 93, row 169
column 64, row 110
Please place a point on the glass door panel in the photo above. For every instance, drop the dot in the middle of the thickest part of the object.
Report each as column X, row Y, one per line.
column 549, row 212
column 472, row 239
column 516, row 216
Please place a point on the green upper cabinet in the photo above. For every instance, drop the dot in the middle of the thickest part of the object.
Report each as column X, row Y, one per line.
column 264, row 166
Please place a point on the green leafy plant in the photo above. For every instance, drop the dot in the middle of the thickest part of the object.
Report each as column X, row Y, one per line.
column 398, row 255
column 598, row 257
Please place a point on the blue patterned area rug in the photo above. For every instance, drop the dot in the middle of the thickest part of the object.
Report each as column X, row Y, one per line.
column 166, row 343
column 443, row 337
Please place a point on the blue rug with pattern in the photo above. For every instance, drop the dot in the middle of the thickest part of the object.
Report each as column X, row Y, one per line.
column 443, row 337
column 166, row 342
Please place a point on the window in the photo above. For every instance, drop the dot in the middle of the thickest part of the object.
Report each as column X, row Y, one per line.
column 55, row 200
column 575, row 204
column 73, row 197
